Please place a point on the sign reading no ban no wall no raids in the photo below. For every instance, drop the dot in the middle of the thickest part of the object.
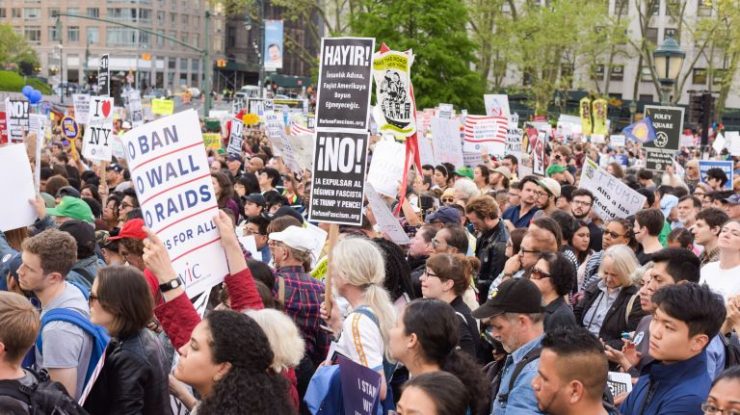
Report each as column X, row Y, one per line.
column 344, row 83
column 340, row 160
column 170, row 172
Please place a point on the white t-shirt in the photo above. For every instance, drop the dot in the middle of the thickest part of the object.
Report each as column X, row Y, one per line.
column 722, row 281
column 361, row 341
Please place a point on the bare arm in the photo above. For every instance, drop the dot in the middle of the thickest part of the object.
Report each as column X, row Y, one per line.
column 67, row 377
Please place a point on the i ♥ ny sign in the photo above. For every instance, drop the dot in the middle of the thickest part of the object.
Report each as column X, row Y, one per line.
column 101, row 108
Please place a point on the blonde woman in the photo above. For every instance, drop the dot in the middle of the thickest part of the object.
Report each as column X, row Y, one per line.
column 611, row 307
column 286, row 343
column 358, row 275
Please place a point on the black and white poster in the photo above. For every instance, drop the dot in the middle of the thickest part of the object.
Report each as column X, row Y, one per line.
column 344, row 83
column 668, row 125
column 338, row 188
column 17, row 119
column 104, row 76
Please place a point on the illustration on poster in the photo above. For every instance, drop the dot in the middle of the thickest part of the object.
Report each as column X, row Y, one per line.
column 339, row 154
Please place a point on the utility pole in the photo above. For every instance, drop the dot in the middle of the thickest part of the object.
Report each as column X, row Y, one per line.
column 62, row 87
column 208, row 66
column 262, row 49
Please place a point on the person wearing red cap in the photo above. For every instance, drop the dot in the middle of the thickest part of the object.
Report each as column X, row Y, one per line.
column 131, row 245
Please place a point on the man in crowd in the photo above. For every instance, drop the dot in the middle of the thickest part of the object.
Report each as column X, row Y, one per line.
column 723, row 276
column 500, row 178
column 572, row 374
column 547, row 194
column 580, row 207
column 706, row 231
column 648, row 224
column 514, row 317
column 257, row 226
column 255, row 165
column 254, row 205
column 645, row 178
column 452, row 239
column 17, row 335
column 512, row 164
column 115, row 178
column 66, row 349
column 686, row 318
column 716, row 178
column 268, row 179
column 688, row 207
column 520, row 215
column 234, row 164
column 482, row 212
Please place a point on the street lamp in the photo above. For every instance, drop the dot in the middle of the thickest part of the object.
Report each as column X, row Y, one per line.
column 668, row 62
column 633, row 110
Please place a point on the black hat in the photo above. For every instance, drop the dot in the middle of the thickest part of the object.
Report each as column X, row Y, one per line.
column 288, row 211
column 233, row 157
column 255, row 198
column 84, row 234
column 518, row 295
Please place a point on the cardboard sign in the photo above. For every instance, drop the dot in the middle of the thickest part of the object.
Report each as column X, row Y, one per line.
column 236, row 137
column 360, row 388
column 172, row 178
column 163, row 106
column 485, row 133
column 668, row 125
column 343, row 96
column 82, row 107
column 513, row 141
column 16, row 179
column 104, row 76
column 97, row 143
column 612, row 198
column 337, row 192
column 446, row 141
column 17, row 120
column 386, row 167
column 3, row 128
column 725, row 165
column 275, row 130
column 395, row 111
column 134, row 108
column 212, row 141
column 384, row 218
column 497, row 105
column 617, row 140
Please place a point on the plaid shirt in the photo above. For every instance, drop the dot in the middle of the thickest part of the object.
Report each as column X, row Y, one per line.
column 303, row 297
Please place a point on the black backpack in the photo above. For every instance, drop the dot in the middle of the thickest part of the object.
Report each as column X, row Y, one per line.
column 732, row 350
column 45, row 397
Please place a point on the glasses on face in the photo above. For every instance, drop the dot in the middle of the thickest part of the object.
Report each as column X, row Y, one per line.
column 448, row 199
column 540, row 194
column 528, row 251
column 430, row 274
column 581, row 203
column 125, row 205
column 538, row 274
column 614, row 235
column 711, row 409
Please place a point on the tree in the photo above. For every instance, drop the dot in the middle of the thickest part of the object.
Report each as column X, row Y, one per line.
column 435, row 30
column 15, row 51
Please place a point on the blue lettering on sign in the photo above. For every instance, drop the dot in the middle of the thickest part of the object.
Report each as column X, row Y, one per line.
column 177, row 204
column 150, row 143
column 165, row 173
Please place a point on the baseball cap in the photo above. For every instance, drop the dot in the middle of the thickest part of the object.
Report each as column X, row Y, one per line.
column 115, row 167
column 295, row 237
column 72, row 207
column 555, row 169
column 133, row 229
column 126, row 125
column 287, row 211
column 465, row 172
column 233, row 157
column 445, row 214
column 504, row 171
column 10, row 263
column 256, row 198
column 733, row 199
column 551, row 185
column 518, row 295
column 667, row 203
column 68, row 191
column 84, row 234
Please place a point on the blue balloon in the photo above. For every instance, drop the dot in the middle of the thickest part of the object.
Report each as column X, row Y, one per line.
column 27, row 91
column 35, row 97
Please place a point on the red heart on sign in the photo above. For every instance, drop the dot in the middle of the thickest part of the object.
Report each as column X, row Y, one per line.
column 106, row 108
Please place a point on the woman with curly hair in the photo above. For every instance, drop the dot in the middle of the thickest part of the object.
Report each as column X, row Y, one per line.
column 224, row 190
column 425, row 340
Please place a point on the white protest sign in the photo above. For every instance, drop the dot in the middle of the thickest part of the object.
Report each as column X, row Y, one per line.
column 514, row 140
column 388, row 223
column 497, row 105
column 386, row 167
column 719, row 143
column 446, row 141
column 37, row 125
column 275, row 130
column 302, row 146
column 426, row 152
column 134, row 108
column 686, row 140
column 612, row 198
column 172, row 178
column 617, row 140
column 82, row 107
column 97, row 144
column 16, row 180
column 733, row 142
column 236, row 137
column 318, row 239
column 446, row 111
column 250, row 244
column 16, row 115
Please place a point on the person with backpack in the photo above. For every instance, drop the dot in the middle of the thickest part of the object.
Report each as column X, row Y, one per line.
column 67, row 342
column 21, row 389
column 133, row 378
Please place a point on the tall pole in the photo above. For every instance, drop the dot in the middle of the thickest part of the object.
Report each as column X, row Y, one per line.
column 207, row 67
column 262, row 49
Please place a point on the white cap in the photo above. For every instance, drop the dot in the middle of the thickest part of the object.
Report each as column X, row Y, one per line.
column 294, row 237
column 551, row 185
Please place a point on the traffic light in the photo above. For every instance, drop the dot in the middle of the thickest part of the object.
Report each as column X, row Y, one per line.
column 221, row 63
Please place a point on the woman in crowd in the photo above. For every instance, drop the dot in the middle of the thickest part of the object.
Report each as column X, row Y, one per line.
column 226, row 358
column 513, row 244
column 397, row 273
column 110, row 210
column 291, row 190
column 246, row 184
column 438, row 393
column 224, row 191
column 616, row 232
column 724, row 397
column 481, row 175
column 554, row 275
column 134, row 376
column 363, row 334
column 441, row 178
column 425, row 340
column 446, row 278
column 91, row 191
column 580, row 241
column 611, row 307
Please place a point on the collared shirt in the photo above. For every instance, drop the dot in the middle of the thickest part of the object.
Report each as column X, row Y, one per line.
column 302, row 303
column 513, row 213
column 709, row 256
column 595, row 315
column 521, row 399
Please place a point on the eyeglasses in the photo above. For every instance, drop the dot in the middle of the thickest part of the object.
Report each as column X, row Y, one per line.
column 429, row 274
column 528, row 251
column 448, row 199
column 125, row 205
column 538, row 274
column 710, row 409
column 540, row 194
column 614, row 235
column 581, row 203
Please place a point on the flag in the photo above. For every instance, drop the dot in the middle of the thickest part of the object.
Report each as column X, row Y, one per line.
column 641, row 132
column 297, row 129
column 485, row 131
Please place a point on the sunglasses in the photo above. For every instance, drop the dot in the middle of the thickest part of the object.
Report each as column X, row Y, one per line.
column 614, row 234
column 448, row 199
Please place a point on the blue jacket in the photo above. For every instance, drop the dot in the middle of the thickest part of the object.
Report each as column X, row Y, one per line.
column 678, row 388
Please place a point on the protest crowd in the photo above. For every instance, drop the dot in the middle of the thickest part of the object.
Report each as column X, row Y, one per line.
column 560, row 277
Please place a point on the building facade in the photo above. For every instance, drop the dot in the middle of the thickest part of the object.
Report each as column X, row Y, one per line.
column 71, row 55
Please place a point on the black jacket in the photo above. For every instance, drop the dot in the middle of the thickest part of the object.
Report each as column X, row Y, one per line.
column 134, row 378
column 615, row 322
column 490, row 248
column 469, row 334
column 558, row 314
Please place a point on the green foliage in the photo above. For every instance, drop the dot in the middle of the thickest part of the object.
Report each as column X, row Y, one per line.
column 436, row 32
column 12, row 82
column 14, row 50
